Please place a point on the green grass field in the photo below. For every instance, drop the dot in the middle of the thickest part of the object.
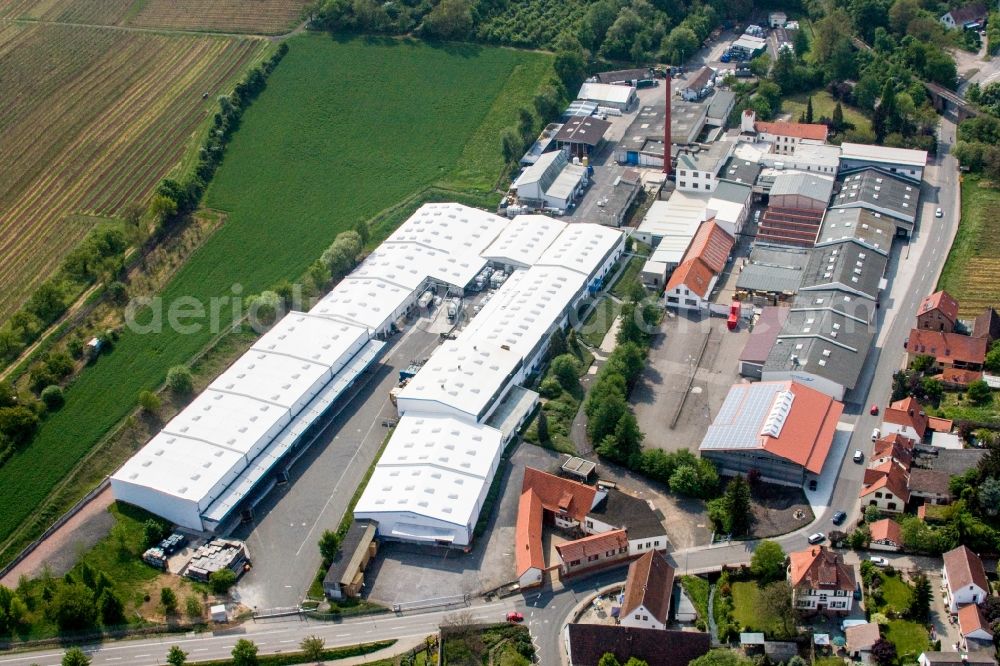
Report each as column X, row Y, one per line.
column 823, row 105
column 345, row 129
column 972, row 272
column 896, row 593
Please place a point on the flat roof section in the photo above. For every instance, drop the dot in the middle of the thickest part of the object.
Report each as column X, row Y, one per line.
column 884, row 154
column 524, row 240
column 271, row 378
column 372, row 303
column 461, row 231
column 773, row 269
column 315, row 339
column 587, row 131
column 234, row 422
column 581, row 248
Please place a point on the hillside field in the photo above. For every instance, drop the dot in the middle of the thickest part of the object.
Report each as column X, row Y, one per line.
column 972, row 272
column 267, row 17
column 90, row 120
column 345, row 129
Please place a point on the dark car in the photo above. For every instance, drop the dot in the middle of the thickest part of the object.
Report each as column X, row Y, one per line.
column 857, row 592
column 812, row 484
column 839, row 518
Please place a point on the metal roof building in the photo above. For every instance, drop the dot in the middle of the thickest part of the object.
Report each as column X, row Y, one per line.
column 901, row 161
column 879, row 192
column 860, row 225
column 773, row 272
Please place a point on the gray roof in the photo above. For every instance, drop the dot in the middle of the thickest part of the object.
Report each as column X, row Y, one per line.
column 741, row 171
column 773, row 269
column 708, row 158
column 734, row 192
column 860, row 225
column 623, row 75
column 582, row 130
column 687, row 119
column 631, row 513
column 765, row 332
column 803, row 184
column 844, row 266
column 952, row 461
column 859, row 308
column 722, row 102
column 879, row 191
column 971, row 658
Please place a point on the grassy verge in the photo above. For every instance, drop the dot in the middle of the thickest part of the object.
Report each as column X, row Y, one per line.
column 823, row 105
column 337, row 118
column 629, row 276
column 972, row 272
column 329, row 654
column 600, row 320
column 697, row 590
column 955, row 406
column 560, row 410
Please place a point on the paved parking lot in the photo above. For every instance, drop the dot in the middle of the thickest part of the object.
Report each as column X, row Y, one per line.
column 673, row 357
column 405, row 573
column 289, row 521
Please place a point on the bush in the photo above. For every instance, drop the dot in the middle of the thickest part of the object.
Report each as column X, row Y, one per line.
column 179, row 380
column 550, row 388
column 222, row 580
column 53, row 398
column 149, row 402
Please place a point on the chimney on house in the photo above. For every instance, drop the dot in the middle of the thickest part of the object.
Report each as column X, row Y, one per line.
column 748, row 120
column 667, row 124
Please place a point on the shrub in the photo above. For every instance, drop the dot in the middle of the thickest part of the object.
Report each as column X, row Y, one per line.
column 149, row 402
column 222, row 580
column 53, row 398
column 179, row 380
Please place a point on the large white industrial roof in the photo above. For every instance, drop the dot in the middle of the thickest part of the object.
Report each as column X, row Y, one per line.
column 605, row 92
column 581, row 247
column 524, row 239
column 180, row 467
column 270, row 378
column 677, row 216
column 453, row 228
column 230, row 421
column 443, row 443
column 426, row 491
column 403, row 264
column 310, row 338
column 884, row 154
column 524, row 311
column 368, row 302
column 463, row 375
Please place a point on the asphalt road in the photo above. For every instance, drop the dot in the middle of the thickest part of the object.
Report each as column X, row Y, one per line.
column 915, row 269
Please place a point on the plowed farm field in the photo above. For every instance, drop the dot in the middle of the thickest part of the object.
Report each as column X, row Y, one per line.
column 90, row 120
column 268, row 17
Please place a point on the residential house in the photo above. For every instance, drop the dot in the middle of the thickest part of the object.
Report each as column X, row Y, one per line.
column 905, row 417
column 950, row 350
column 974, row 627
column 860, row 639
column 648, row 588
column 820, row 581
column 964, row 658
column 619, row 510
column 587, row 643
column 886, row 535
column 964, row 578
column 596, row 550
column 930, row 485
column 698, row 168
column 938, row 312
column 969, row 17
column 690, row 286
column 886, row 487
column 892, row 447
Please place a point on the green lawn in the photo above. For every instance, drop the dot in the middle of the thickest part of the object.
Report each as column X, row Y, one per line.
column 752, row 614
column 345, row 129
column 896, row 593
column 972, row 272
column 909, row 638
column 823, row 105
column 628, row 276
column 953, row 408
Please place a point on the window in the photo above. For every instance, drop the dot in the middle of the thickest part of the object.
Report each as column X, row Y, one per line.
column 645, row 617
column 892, row 506
column 878, row 495
column 638, row 546
column 691, row 302
column 592, row 558
column 574, row 563
column 623, row 549
column 694, row 185
column 656, row 543
column 684, row 183
column 683, row 172
column 590, row 523
column 637, row 616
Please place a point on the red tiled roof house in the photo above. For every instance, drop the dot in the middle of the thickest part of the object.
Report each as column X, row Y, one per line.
column 820, row 581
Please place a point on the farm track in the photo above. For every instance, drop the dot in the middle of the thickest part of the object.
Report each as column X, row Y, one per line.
column 116, row 111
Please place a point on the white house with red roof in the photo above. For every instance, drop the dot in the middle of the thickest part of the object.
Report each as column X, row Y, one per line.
column 905, row 417
column 786, row 136
column 886, row 534
column 886, row 486
column 964, row 578
column 821, row 581
column 690, row 285
column 648, row 588
column 784, row 430
column 974, row 627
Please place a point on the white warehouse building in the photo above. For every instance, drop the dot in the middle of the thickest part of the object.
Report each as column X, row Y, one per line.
column 468, row 393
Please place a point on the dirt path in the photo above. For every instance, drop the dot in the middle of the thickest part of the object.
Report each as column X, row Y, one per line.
column 60, row 551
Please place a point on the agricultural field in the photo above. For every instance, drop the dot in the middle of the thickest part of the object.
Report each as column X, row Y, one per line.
column 268, row 17
column 344, row 130
column 90, row 120
column 972, row 272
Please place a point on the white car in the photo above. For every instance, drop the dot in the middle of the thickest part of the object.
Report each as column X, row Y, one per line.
column 938, row 213
column 819, row 537
column 876, row 433
column 858, row 456
column 879, row 561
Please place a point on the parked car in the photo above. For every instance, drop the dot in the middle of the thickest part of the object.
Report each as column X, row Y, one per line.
column 857, row 592
column 859, row 456
column 819, row 537
column 874, row 410
column 876, row 433
column 938, row 213
column 839, row 518
column 812, row 484
column 514, row 616
column 879, row 561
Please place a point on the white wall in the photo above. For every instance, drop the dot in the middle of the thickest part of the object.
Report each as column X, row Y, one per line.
column 642, row 546
column 183, row 512
column 691, row 180
column 641, row 618
column 904, row 430
column 884, row 501
column 970, row 594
